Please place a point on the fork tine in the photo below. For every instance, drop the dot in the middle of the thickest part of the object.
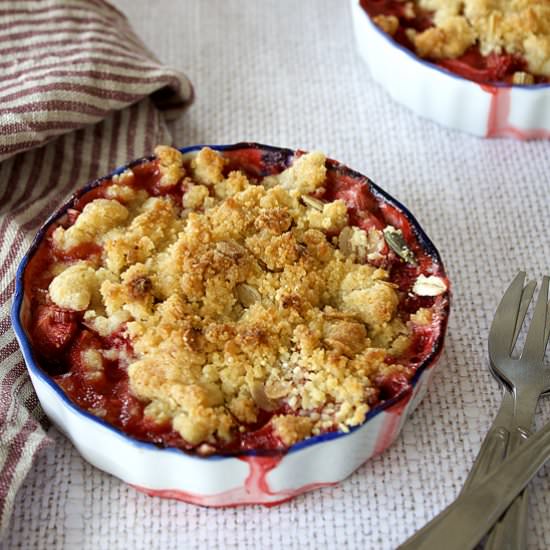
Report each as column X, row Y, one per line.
column 535, row 343
column 502, row 332
column 526, row 298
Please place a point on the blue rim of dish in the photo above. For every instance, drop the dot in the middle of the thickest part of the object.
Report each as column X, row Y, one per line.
column 433, row 66
column 286, row 155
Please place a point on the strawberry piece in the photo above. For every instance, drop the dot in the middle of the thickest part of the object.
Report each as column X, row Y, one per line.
column 54, row 330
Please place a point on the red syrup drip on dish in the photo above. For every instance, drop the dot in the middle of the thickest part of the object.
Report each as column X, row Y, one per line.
column 255, row 490
column 391, row 423
column 498, row 124
column 257, row 486
column 256, row 483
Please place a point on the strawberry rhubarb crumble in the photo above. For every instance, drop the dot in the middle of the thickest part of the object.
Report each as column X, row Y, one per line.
column 230, row 300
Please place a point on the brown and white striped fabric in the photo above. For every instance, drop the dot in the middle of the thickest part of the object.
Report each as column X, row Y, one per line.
column 79, row 95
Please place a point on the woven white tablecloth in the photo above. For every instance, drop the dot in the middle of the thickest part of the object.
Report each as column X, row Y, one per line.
column 286, row 73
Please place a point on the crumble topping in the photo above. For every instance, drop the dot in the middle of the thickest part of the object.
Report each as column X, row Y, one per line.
column 97, row 218
column 170, row 165
column 518, row 27
column 239, row 297
column 388, row 23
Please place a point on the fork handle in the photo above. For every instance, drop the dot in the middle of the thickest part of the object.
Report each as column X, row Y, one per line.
column 491, row 452
column 469, row 517
column 510, row 533
column 494, row 446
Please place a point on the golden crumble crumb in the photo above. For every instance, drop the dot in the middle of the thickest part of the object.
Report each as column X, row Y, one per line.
column 195, row 195
column 73, row 288
column 96, row 219
column 306, row 174
column 537, row 51
column 125, row 179
column 345, row 336
column 92, row 360
column 276, row 220
column 236, row 181
column 423, row 316
column 244, row 408
column 388, row 23
column 292, row 429
column 170, row 165
column 333, row 217
column 450, row 39
column 208, row 166
column 409, row 11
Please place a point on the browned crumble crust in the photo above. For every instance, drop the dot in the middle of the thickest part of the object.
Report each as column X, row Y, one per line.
column 235, row 301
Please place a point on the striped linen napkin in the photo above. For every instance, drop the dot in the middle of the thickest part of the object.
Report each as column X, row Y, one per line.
column 79, row 95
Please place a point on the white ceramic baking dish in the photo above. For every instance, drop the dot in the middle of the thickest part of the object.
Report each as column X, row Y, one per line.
column 247, row 477
column 496, row 110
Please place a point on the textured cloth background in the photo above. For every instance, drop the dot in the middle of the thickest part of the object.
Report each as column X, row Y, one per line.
column 286, row 73
column 64, row 65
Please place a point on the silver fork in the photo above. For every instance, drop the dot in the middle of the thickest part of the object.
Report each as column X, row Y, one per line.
column 527, row 380
column 494, row 446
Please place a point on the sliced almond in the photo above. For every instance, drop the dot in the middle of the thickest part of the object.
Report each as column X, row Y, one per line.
column 247, row 294
column 429, row 286
column 231, row 249
column 205, row 449
column 347, row 337
column 276, row 389
column 312, row 202
column 257, row 390
column 523, row 78
column 344, row 241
